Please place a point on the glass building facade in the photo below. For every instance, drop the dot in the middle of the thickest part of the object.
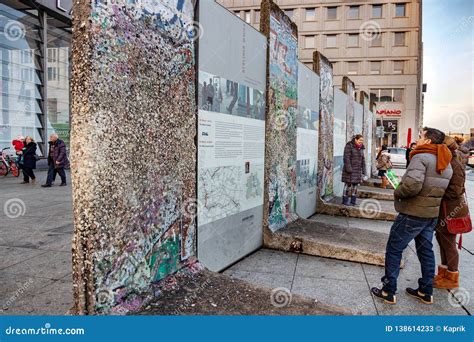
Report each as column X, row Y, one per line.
column 35, row 69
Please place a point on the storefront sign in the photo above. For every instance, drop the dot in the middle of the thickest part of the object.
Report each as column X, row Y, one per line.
column 389, row 112
column 390, row 126
column 61, row 7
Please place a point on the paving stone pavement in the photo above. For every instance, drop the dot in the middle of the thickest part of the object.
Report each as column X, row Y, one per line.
column 35, row 261
column 35, row 247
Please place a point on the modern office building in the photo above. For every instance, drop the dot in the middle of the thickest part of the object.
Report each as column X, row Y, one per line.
column 35, row 38
column 376, row 43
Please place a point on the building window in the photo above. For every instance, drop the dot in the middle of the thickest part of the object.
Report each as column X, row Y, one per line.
column 257, row 16
column 310, row 14
column 352, row 68
column 309, row 42
column 247, row 17
column 26, row 56
column 353, row 12
column 397, row 95
column 331, row 40
column 386, row 95
column 289, row 13
column 376, row 39
column 376, row 11
column 332, row 13
column 353, row 40
column 52, row 74
column 398, row 67
column 375, row 67
column 400, row 38
column 400, row 10
column 52, row 55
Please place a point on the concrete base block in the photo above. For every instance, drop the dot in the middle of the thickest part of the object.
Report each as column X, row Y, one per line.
column 375, row 182
column 368, row 208
column 330, row 241
column 197, row 291
column 375, row 193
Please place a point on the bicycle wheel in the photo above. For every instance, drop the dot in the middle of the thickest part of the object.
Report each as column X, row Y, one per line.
column 15, row 170
column 3, row 169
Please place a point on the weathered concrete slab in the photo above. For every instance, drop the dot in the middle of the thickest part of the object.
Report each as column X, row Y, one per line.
column 197, row 291
column 375, row 193
column 331, row 241
column 375, row 182
column 368, row 208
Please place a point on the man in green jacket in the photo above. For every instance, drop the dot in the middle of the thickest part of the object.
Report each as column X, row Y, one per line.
column 417, row 201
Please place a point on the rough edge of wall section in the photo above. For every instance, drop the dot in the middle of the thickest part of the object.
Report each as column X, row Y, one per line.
column 326, row 128
column 133, row 151
column 364, row 101
column 267, row 8
column 348, row 87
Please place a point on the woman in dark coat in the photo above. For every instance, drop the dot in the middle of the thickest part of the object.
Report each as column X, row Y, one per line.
column 454, row 205
column 28, row 160
column 354, row 169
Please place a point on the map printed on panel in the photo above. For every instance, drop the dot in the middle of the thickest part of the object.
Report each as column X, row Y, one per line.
column 219, row 192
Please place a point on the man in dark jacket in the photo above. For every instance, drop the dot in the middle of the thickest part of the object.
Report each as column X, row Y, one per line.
column 417, row 199
column 57, row 160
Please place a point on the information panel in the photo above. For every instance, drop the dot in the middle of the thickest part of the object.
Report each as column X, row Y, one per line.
column 307, row 141
column 231, row 143
column 340, row 128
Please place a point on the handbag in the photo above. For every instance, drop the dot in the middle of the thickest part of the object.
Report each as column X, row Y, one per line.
column 458, row 225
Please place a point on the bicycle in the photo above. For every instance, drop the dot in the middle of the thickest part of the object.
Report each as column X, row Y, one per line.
column 8, row 164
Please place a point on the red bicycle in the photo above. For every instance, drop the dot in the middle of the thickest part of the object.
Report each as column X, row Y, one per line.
column 8, row 164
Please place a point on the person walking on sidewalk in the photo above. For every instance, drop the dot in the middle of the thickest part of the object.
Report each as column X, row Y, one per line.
column 417, row 200
column 453, row 205
column 57, row 160
column 354, row 169
column 28, row 160
column 383, row 165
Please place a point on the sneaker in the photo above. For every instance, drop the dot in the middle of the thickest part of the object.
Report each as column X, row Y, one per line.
column 33, row 181
column 45, row 185
column 424, row 298
column 24, row 182
column 385, row 296
column 62, row 184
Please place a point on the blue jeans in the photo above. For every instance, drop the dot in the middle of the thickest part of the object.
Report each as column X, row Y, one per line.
column 404, row 229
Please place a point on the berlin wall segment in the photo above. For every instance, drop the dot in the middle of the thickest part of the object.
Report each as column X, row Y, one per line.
column 133, row 168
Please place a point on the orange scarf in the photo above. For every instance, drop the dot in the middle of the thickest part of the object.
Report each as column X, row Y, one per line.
column 441, row 151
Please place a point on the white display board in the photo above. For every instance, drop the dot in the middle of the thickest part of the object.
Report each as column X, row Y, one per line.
column 307, row 141
column 340, row 128
column 231, row 137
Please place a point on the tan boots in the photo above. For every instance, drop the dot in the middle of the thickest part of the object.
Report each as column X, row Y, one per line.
column 446, row 279
column 384, row 183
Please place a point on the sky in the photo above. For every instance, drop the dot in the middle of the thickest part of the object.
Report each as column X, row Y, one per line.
column 448, row 65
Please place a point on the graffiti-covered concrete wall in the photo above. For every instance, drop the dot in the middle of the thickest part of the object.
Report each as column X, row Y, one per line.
column 367, row 131
column 281, row 107
column 133, row 152
column 323, row 68
column 348, row 87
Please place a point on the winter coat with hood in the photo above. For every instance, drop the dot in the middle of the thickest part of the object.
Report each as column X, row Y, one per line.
column 423, row 185
column 58, row 153
column 383, row 161
column 354, row 163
